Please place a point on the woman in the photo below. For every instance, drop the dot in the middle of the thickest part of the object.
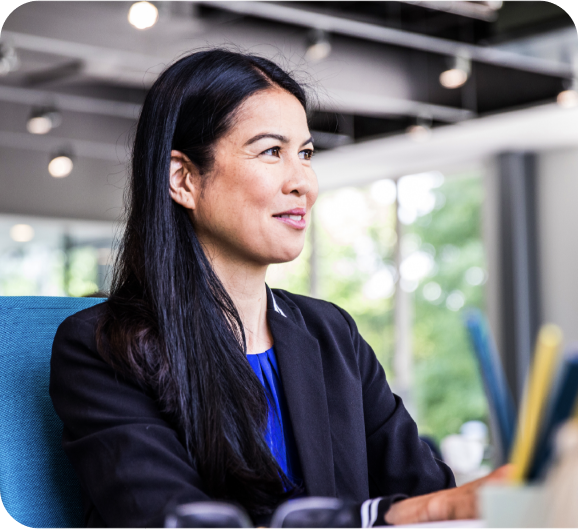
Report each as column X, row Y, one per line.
column 194, row 381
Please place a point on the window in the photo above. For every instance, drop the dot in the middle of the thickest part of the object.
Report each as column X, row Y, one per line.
column 447, row 387
column 53, row 257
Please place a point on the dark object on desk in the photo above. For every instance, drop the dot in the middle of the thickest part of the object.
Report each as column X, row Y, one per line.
column 316, row 512
column 208, row 514
column 500, row 402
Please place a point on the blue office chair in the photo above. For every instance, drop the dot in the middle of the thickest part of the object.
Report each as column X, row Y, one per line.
column 38, row 486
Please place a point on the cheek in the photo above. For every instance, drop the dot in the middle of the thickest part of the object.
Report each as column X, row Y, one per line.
column 255, row 193
column 260, row 193
column 241, row 196
column 238, row 208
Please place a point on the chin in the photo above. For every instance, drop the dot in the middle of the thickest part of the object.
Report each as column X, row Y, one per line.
column 284, row 255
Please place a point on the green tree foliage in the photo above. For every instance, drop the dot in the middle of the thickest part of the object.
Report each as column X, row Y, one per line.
column 447, row 386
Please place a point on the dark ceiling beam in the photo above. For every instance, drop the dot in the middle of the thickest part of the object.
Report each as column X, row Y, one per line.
column 397, row 37
column 347, row 102
column 51, row 145
column 73, row 103
column 54, row 74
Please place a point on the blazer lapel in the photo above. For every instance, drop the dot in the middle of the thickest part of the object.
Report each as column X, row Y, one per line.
column 301, row 370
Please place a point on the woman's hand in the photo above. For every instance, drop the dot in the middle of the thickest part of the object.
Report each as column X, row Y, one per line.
column 459, row 503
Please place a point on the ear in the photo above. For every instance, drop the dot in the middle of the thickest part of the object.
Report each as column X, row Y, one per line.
column 183, row 186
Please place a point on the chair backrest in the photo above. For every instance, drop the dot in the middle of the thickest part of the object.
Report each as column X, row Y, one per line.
column 38, row 486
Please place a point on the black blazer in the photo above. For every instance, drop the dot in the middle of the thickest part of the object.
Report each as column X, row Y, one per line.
column 354, row 437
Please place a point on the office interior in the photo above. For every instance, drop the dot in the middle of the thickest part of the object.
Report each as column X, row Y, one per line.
column 446, row 153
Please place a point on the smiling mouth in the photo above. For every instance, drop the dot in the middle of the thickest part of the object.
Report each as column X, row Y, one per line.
column 292, row 217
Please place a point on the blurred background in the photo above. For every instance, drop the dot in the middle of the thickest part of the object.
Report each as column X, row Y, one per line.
column 447, row 154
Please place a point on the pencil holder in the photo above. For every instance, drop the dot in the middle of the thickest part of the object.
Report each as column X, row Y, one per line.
column 513, row 506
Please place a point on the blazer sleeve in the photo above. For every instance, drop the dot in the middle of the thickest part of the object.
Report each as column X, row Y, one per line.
column 130, row 462
column 399, row 464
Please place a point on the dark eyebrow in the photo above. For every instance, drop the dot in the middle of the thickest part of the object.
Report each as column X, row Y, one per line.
column 282, row 139
column 278, row 137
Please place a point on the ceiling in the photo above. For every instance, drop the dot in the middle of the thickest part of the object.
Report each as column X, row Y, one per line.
column 381, row 76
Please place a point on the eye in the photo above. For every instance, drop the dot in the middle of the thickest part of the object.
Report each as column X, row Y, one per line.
column 306, row 154
column 273, row 151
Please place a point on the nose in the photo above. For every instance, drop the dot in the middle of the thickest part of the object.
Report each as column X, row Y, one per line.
column 299, row 179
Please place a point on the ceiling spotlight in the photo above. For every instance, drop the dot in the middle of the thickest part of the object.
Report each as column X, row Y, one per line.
column 568, row 98
column 458, row 73
column 419, row 133
column 60, row 165
column 143, row 15
column 318, row 45
column 421, row 130
column 43, row 120
column 8, row 59
column 21, row 233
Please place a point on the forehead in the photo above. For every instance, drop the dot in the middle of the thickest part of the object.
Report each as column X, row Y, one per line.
column 269, row 110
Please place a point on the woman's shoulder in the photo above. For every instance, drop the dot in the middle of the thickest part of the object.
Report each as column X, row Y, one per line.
column 76, row 335
column 91, row 315
column 85, row 319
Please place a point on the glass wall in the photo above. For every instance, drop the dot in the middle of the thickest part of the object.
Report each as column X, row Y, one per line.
column 447, row 244
column 53, row 257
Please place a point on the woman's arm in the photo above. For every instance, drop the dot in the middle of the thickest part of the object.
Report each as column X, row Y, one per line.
column 399, row 462
column 129, row 461
column 460, row 503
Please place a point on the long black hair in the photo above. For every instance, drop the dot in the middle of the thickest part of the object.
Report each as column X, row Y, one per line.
column 170, row 324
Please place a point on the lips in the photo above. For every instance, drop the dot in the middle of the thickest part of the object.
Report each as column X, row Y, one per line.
column 293, row 218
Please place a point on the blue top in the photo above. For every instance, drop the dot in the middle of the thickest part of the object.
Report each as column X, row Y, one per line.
column 279, row 434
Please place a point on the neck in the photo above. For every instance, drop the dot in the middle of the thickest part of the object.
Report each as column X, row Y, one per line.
column 245, row 284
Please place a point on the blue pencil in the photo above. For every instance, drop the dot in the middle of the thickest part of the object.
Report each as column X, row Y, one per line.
column 497, row 391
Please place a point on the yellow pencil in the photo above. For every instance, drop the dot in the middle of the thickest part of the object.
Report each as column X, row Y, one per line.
column 536, row 392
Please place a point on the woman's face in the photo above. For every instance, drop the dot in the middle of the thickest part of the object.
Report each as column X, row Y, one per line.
column 259, row 193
